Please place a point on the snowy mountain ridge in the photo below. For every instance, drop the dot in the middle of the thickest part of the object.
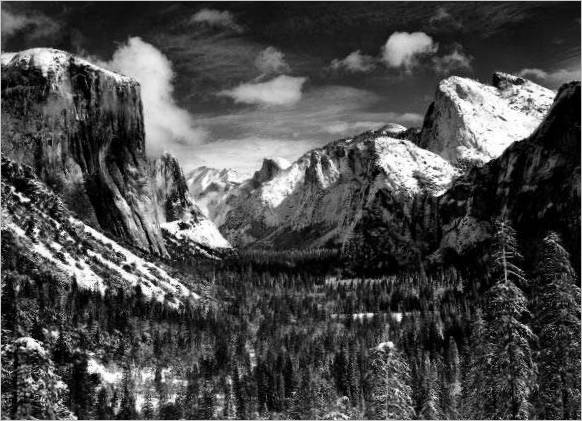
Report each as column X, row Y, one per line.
column 318, row 200
column 470, row 121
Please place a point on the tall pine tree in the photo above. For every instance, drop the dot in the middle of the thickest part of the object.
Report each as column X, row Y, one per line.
column 557, row 311
column 504, row 374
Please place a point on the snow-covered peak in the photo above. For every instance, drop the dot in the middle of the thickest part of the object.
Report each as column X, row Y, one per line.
column 53, row 63
column 392, row 129
column 320, row 198
column 472, row 121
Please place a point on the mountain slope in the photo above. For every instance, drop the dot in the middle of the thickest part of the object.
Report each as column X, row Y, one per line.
column 208, row 187
column 535, row 183
column 80, row 127
column 37, row 226
column 319, row 199
column 469, row 121
column 180, row 219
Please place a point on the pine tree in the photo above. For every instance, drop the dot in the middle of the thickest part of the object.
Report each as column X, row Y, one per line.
column 430, row 409
column 472, row 405
column 37, row 391
column 504, row 373
column 558, row 326
column 389, row 378
column 451, row 392
column 147, row 410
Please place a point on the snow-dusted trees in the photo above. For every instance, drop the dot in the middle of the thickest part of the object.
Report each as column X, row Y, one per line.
column 451, row 384
column 36, row 391
column 389, row 379
column 430, row 409
column 503, row 372
column 557, row 310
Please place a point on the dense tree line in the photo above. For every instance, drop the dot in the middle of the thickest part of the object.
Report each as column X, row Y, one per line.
column 278, row 340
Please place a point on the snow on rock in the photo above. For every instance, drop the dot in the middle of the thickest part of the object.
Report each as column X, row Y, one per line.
column 179, row 216
column 534, row 184
column 475, row 122
column 28, row 344
column 47, row 235
column 203, row 232
column 385, row 346
column 319, row 199
column 71, row 102
column 209, row 186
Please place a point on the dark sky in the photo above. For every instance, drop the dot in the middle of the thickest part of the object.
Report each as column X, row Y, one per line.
column 226, row 84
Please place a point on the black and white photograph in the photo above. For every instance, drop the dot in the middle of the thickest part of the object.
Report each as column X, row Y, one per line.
column 290, row 210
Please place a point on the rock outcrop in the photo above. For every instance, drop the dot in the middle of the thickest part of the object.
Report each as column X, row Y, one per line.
column 181, row 220
column 319, row 200
column 470, row 121
column 535, row 184
column 209, row 186
column 39, row 228
column 81, row 129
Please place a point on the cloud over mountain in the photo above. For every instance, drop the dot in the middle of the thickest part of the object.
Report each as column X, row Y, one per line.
column 164, row 120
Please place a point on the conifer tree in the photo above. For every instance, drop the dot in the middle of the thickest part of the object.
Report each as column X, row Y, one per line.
column 430, row 409
column 37, row 391
column 389, row 378
column 147, row 410
column 451, row 392
column 506, row 368
column 558, row 326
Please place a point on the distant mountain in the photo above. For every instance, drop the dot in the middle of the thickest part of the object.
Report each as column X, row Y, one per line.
column 319, row 200
column 383, row 189
column 208, row 186
column 80, row 128
column 470, row 121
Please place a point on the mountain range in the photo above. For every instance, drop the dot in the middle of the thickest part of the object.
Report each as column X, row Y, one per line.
column 483, row 151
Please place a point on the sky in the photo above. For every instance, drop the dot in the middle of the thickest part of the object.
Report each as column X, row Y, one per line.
column 228, row 84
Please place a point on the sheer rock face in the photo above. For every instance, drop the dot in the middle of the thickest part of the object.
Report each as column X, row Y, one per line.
column 180, row 218
column 81, row 129
column 534, row 183
column 320, row 200
column 470, row 121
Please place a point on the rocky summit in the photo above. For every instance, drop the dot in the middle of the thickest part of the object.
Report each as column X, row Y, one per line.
column 80, row 127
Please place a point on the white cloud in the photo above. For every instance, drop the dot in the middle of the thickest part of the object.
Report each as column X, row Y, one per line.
column 34, row 26
column 355, row 62
column 403, row 49
column 553, row 78
column 165, row 122
column 217, row 19
column 281, row 90
column 454, row 61
column 271, row 61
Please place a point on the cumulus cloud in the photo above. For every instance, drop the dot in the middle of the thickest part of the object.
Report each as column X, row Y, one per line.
column 403, row 49
column 271, row 61
column 165, row 122
column 216, row 19
column 281, row 90
column 553, row 78
column 33, row 26
column 456, row 60
column 355, row 62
